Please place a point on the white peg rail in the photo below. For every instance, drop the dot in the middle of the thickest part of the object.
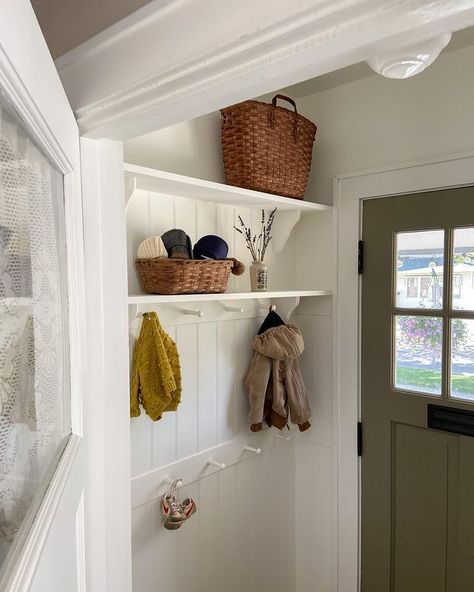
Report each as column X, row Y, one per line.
column 239, row 309
column 172, row 313
column 191, row 312
column 212, row 462
column 253, row 450
column 152, row 485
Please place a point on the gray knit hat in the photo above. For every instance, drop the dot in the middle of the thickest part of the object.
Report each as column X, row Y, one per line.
column 178, row 244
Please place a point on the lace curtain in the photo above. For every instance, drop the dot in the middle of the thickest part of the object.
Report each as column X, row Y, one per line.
column 34, row 384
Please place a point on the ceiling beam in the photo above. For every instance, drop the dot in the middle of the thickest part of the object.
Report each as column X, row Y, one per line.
column 165, row 64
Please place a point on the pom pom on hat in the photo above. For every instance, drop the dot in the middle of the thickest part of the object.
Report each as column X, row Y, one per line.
column 178, row 244
column 238, row 267
column 211, row 247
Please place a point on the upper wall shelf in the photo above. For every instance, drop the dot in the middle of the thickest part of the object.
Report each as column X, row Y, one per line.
column 182, row 186
column 161, row 299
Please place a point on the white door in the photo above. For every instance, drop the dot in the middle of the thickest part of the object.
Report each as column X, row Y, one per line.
column 43, row 448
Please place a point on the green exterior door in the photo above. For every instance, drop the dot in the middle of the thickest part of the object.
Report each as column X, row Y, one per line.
column 418, row 359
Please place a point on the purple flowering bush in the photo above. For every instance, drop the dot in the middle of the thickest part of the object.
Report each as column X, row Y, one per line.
column 426, row 333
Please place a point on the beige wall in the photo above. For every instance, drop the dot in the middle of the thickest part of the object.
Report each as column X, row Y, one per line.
column 376, row 122
column 67, row 23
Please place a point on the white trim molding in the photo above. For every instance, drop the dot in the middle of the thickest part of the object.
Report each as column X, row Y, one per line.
column 33, row 534
column 349, row 192
column 108, row 525
column 171, row 61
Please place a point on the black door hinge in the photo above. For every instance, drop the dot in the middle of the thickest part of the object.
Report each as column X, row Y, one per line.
column 359, row 438
column 360, row 259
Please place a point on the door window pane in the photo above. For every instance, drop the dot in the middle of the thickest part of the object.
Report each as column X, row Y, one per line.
column 34, row 366
column 419, row 269
column 462, row 358
column 463, row 269
column 418, row 353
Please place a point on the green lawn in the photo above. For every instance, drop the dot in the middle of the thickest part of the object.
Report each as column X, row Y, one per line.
column 431, row 380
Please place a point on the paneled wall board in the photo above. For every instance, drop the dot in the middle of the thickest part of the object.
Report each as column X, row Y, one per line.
column 315, row 455
column 226, row 380
column 266, row 523
column 165, row 435
column 207, row 386
column 226, row 545
column 214, row 358
column 315, row 517
column 316, row 366
column 149, row 214
column 187, row 416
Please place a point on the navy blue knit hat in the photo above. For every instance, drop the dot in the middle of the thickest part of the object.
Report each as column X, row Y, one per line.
column 211, row 247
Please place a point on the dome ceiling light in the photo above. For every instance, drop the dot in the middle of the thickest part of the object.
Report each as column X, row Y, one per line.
column 409, row 60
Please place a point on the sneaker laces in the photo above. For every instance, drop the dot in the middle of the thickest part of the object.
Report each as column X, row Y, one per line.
column 176, row 513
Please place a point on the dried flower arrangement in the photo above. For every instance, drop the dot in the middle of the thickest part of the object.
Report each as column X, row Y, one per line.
column 257, row 244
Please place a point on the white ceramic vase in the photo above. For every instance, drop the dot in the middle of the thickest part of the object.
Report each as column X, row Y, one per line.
column 258, row 276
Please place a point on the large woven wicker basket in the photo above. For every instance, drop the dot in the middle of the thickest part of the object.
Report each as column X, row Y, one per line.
column 184, row 276
column 267, row 148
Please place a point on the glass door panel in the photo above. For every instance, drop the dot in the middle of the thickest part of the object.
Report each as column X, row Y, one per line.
column 462, row 359
column 463, row 269
column 419, row 257
column 34, row 355
column 418, row 354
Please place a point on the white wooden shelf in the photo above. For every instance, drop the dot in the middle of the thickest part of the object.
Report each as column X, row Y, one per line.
column 181, row 186
column 161, row 299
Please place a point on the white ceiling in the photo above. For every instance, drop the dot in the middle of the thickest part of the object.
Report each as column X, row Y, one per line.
column 460, row 39
column 68, row 23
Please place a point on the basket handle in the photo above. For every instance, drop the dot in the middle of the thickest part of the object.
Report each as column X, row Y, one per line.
column 284, row 98
column 295, row 113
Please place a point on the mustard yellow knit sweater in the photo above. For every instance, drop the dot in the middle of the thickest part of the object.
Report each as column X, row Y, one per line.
column 156, row 372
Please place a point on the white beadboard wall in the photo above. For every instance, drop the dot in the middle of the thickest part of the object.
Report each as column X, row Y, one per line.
column 214, row 358
column 267, row 523
column 315, row 456
column 149, row 213
column 264, row 524
column 241, row 539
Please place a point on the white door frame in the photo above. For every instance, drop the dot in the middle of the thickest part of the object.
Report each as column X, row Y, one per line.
column 105, row 251
column 349, row 192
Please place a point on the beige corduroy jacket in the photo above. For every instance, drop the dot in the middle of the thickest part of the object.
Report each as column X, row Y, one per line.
column 274, row 382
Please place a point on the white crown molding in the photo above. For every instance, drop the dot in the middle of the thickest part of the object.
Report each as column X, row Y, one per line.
column 170, row 61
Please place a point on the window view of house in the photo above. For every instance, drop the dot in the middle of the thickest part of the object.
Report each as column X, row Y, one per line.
column 420, row 259
column 418, row 350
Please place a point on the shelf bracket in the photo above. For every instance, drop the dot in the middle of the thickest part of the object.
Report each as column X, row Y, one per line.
column 130, row 188
column 285, row 221
column 133, row 314
column 292, row 307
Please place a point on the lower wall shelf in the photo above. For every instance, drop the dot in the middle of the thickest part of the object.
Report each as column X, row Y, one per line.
column 160, row 298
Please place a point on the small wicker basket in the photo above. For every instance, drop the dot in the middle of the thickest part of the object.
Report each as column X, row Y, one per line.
column 267, row 148
column 185, row 276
